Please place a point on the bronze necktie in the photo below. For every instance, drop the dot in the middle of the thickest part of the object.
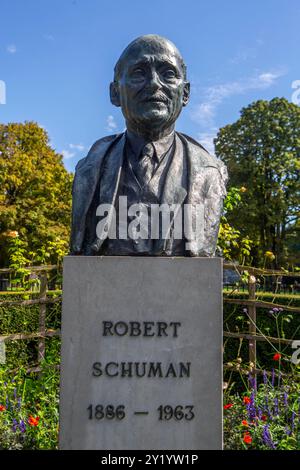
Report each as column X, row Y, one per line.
column 146, row 164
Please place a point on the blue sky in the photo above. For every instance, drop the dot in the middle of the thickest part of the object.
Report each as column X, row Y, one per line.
column 57, row 59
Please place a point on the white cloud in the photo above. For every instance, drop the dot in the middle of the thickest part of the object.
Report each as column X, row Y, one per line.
column 11, row 48
column 67, row 154
column 78, row 147
column 247, row 53
column 268, row 78
column 74, row 149
column 207, row 140
column 243, row 55
column 111, row 124
column 2, row 92
column 213, row 96
column 204, row 113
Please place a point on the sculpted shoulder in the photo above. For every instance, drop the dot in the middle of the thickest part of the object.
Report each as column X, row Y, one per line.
column 202, row 157
column 97, row 151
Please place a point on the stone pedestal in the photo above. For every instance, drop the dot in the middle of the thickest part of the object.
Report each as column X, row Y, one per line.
column 141, row 353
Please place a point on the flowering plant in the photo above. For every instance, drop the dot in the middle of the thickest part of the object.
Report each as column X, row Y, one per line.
column 28, row 410
column 267, row 417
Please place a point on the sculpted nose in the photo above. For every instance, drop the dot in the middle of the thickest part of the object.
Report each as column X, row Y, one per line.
column 153, row 82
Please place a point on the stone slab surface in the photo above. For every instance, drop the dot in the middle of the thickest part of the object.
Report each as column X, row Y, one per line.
column 141, row 353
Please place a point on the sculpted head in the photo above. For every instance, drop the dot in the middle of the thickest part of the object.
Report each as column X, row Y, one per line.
column 150, row 85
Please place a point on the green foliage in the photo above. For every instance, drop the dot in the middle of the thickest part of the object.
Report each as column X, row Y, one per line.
column 234, row 246
column 25, row 319
column 261, row 151
column 276, row 323
column 29, row 416
column 35, row 197
column 23, row 394
column 18, row 260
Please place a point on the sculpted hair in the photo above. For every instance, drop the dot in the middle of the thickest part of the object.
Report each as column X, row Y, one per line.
column 146, row 39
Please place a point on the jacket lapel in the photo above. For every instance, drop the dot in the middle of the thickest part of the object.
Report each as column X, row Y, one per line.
column 86, row 179
column 109, row 183
column 174, row 193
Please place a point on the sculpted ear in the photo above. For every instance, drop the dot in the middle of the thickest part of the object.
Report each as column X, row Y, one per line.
column 186, row 93
column 114, row 94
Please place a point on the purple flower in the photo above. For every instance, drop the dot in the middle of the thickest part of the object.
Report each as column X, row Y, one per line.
column 285, row 400
column 266, row 437
column 266, row 403
column 22, row 426
column 259, row 413
column 265, row 377
column 19, row 402
column 279, row 378
column 288, row 432
column 251, row 408
column 15, row 425
column 7, row 402
column 15, row 393
column 268, row 411
column 293, row 421
column 252, row 381
column 276, row 407
column 273, row 377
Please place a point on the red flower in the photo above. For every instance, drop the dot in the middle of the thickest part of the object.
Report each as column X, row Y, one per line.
column 33, row 421
column 276, row 357
column 246, row 400
column 264, row 418
column 245, row 423
column 247, row 438
column 2, row 408
column 229, row 405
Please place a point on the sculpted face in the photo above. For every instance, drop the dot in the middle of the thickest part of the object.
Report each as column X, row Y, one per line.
column 150, row 85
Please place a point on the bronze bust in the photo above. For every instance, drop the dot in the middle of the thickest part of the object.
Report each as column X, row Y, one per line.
column 150, row 190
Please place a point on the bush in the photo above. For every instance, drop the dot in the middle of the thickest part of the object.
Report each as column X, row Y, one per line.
column 264, row 419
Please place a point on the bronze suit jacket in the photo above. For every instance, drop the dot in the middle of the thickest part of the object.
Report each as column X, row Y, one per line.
column 97, row 178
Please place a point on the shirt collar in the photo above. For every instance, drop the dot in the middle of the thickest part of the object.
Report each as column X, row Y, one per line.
column 161, row 146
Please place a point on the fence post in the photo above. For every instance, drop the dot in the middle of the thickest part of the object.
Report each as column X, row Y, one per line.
column 252, row 318
column 42, row 316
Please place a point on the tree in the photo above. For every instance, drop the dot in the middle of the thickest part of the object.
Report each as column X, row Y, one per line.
column 35, row 195
column 234, row 246
column 262, row 152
